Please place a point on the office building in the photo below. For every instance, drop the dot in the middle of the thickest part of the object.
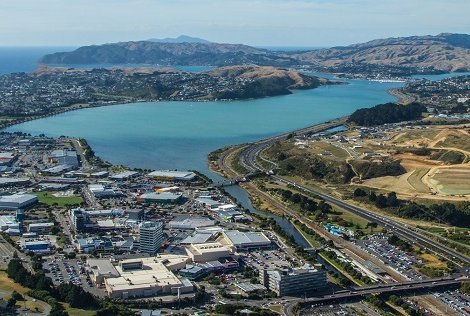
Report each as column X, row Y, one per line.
column 151, row 237
column 293, row 281
column 79, row 219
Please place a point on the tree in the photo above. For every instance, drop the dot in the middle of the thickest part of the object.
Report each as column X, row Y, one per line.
column 360, row 192
column 381, row 201
column 392, row 200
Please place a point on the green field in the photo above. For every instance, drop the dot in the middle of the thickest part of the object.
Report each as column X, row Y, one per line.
column 49, row 199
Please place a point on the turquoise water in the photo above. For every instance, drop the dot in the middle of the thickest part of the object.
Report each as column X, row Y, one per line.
column 179, row 135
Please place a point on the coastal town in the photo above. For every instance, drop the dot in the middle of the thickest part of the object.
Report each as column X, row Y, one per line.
column 296, row 158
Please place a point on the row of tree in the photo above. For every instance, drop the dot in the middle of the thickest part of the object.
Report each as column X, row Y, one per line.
column 456, row 214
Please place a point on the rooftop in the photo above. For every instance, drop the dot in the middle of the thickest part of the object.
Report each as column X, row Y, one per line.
column 239, row 238
column 179, row 175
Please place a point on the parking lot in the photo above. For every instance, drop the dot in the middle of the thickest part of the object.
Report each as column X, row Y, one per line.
column 70, row 271
column 457, row 301
column 378, row 246
column 270, row 259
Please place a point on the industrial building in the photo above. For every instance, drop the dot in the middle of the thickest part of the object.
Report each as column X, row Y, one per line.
column 64, row 157
column 40, row 228
column 9, row 225
column 151, row 237
column 169, row 175
column 160, row 198
column 37, row 246
column 102, row 192
column 240, row 241
column 207, row 251
column 208, row 203
column 190, row 222
column 147, row 277
column 17, row 201
column 293, row 281
column 6, row 182
column 196, row 271
column 136, row 215
column 7, row 158
column 123, row 176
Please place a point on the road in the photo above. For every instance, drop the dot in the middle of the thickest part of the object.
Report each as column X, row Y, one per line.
column 249, row 157
column 359, row 293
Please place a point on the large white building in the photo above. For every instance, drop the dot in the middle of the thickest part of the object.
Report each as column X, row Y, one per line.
column 239, row 241
column 207, row 251
column 146, row 277
column 151, row 237
column 171, row 175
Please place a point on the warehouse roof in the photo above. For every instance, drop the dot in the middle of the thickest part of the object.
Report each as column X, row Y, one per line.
column 161, row 196
column 177, row 175
column 17, row 198
column 240, row 238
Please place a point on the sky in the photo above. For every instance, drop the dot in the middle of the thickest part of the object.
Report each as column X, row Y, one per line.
column 301, row 23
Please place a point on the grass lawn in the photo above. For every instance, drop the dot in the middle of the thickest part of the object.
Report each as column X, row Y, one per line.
column 77, row 311
column 49, row 199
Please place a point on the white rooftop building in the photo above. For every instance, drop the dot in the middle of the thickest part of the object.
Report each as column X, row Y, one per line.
column 146, row 277
column 172, row 175
column 238, row 240
column 207, row 251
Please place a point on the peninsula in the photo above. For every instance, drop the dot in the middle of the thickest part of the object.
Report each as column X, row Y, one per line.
column 52, row 90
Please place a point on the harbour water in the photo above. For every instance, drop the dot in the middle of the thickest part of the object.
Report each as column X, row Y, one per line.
column 179, row 135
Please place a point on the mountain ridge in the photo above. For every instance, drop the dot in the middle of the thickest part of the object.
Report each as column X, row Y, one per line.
column 442, row 52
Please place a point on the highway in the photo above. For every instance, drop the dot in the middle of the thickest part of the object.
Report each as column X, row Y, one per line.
column 250, row 154
column 359, row 293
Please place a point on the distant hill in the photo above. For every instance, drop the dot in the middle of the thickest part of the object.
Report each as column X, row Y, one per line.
column 179, row 39
column 147, row 52
column 443, row 52
column 446, row 52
